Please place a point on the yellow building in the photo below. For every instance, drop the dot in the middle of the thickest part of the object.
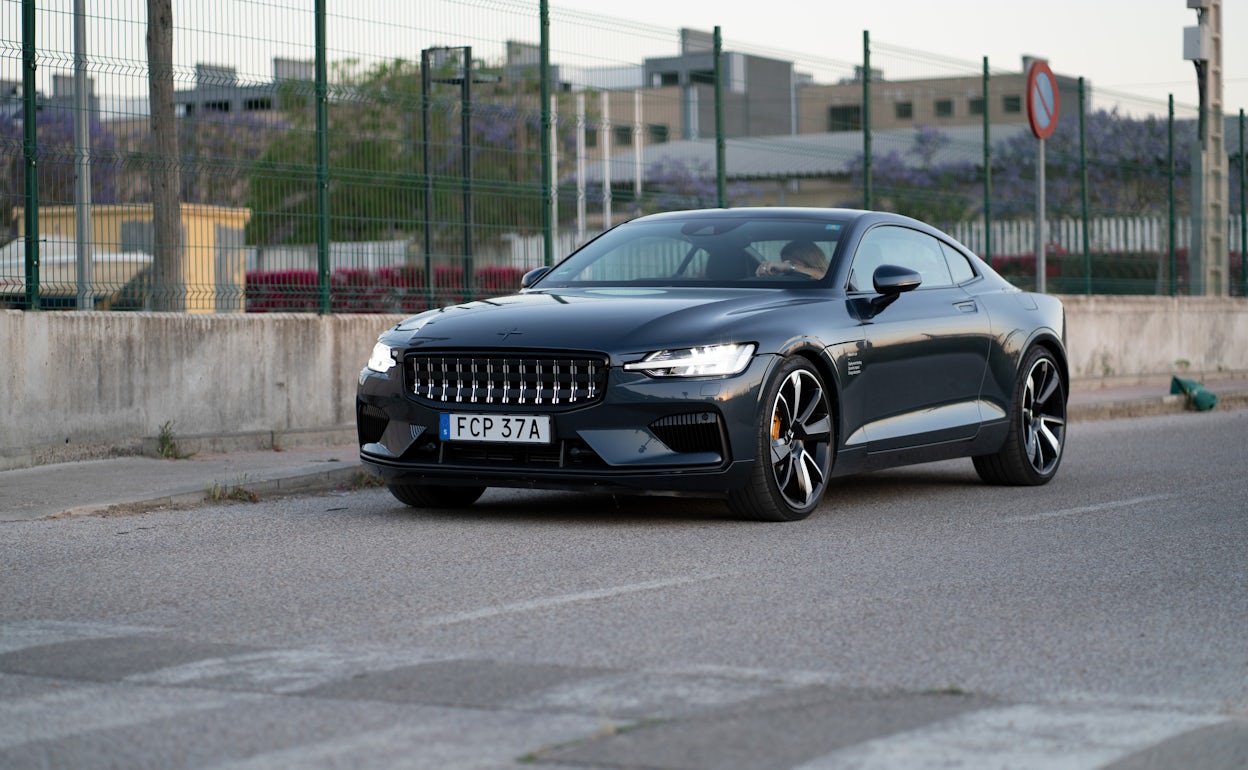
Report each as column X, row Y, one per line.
column 121, row 242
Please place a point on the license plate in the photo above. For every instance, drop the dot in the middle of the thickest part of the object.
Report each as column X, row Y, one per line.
column 498, row 428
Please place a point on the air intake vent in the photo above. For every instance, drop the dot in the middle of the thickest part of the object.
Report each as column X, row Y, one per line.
column 370, row 423
column 696, row 432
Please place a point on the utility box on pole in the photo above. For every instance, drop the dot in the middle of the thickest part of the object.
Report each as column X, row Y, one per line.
column 1208, row 256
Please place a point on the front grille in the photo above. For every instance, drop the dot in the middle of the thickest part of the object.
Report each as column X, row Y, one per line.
column 550, row 380
column 696, row 432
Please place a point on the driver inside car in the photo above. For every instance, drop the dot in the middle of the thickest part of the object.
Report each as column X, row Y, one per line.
column 797, row 258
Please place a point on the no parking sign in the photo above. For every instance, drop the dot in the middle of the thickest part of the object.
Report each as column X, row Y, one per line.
column 1042, row 100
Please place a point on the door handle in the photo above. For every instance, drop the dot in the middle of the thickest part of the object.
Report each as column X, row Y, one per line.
column 967, row 306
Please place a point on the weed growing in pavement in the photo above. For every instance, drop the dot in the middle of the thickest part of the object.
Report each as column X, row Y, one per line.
column 238, row 493
column 365, row 480
column 167, row 445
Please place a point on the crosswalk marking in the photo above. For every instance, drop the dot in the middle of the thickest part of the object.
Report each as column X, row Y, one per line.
column 55, row 715
column 276, row 671
column 414, row 724
column 1035, row 737
column 21, row 635
column 432, row 738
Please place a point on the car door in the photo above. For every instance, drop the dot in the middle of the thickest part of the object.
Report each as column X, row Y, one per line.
column 917, row 374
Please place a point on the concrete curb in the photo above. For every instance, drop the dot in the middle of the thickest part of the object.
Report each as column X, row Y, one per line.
column 1147, row 407
column 346, row 477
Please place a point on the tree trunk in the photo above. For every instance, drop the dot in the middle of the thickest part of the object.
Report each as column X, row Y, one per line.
column 168, row 289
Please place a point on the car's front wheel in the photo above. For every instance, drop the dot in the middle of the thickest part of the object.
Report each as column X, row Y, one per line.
column 795, row 448
column 434, row 496
column 1037, row 435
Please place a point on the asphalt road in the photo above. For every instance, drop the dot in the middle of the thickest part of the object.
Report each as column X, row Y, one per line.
column 919, row 619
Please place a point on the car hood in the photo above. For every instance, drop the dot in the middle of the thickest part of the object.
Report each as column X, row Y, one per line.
column 609, row 320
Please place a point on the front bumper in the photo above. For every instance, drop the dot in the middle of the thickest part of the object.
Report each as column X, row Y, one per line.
column 695, row 435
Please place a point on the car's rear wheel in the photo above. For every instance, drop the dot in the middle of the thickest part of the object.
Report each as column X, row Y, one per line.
column 434, row 496
column 795, row 448
column 1037, row 435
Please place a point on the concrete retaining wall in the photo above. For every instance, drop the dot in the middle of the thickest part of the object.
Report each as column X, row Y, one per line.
column 1128, row 339
column 78, row 385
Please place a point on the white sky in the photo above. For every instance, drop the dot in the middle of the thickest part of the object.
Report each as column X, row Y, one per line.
column 1131, row 46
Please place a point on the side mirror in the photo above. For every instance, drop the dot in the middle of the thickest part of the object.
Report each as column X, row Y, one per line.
column 891, row 281
column 532, row 277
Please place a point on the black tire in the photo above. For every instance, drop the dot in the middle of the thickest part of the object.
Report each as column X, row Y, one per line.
column 796, row 445
column 1037, row 436
column 433, row 496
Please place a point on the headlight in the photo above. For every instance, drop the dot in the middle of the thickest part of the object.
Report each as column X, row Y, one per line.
column 709, row 361
column 382, row 359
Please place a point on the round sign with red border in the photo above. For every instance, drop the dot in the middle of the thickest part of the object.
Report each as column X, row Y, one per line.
column 1042, row 100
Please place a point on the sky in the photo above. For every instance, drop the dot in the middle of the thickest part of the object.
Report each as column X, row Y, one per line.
column 1129, row 46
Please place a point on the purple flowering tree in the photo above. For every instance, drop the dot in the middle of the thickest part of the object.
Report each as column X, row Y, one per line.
column 55, row 162
column 1126, row 164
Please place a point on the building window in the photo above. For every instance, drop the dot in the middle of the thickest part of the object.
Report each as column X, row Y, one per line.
column 658, row 133
column 258, row 105
column 944, row 108
column 669, row 79
column 217, row 106
column 622, row 136
column 977, row 105
column 591, row 136
column 845, row 118
column 1012, row 104
column 904, row 110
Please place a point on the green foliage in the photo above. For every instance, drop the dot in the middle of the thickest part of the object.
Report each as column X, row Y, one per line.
column 376, row 167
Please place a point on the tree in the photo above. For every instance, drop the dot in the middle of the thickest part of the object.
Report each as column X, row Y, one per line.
column 168, row 271
column 376, row 163
column 56, row 161
column 916, row 185
column 674, row 183
column 1126, row 162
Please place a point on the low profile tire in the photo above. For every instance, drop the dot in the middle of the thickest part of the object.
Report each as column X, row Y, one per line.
column 1037, row 435
column 432, row 496
column 795, row 448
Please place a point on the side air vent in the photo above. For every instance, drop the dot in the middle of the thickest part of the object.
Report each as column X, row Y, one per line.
column 694, row 432
column 370, row 423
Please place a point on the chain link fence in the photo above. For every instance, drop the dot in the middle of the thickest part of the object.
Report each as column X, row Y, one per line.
column 348, row 157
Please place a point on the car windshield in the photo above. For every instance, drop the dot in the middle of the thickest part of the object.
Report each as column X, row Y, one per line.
column 708, row 251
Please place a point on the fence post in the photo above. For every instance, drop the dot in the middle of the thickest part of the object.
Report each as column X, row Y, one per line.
column 866, row 119
column 1170, row 194
column 1083, row 188
column 987, row 255
column 30, row 107
column 322, row 164
column 548, row 225
column 1243, row 212
column 721, row 192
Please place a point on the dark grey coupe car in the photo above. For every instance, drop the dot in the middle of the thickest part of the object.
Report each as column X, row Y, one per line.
column 752, row 354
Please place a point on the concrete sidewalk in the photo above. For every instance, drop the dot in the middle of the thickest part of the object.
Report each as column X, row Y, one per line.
column 130, row 484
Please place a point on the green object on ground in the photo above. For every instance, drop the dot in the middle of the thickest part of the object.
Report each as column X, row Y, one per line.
column 1197, row 397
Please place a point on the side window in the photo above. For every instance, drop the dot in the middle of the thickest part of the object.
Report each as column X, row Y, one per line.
column 903, row 247
column 959, row 266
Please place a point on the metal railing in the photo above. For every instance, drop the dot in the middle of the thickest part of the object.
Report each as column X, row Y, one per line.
column 348, row 158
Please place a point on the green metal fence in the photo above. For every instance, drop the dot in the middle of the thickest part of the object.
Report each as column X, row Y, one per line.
column 348, row 157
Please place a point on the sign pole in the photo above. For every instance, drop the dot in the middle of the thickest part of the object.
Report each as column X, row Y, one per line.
column 1041, row 235
column 1042, row 111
